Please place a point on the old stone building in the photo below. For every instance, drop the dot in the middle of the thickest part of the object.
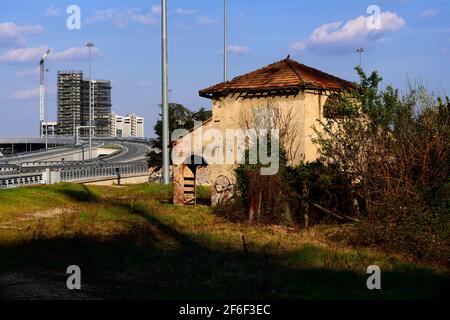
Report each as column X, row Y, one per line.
column 291, row 92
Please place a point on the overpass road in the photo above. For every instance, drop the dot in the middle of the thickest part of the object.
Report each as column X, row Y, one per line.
column 33, row 168
column 131, row 151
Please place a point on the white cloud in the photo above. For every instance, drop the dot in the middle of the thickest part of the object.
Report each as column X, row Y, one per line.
column 238, row 50
column 351, row 33
column 23, row 54
column 182, row 11
column 52, row 11
column 444, row 51
column 75, row 53
column 23, row 95
column 143, row 18
column 31, row 94
column 384, row 40
column 182, row 25
column 298, row 46
column 144, row 84
column 356, row 29
column 102, row 15
column 429, row 13
column 156, row 9
column 27, row 72
column 120, row 18
column 206, row 20
column 12, row 34
column 35, row 54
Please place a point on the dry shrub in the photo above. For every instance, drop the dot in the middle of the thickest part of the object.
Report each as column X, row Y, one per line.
column 396, row 152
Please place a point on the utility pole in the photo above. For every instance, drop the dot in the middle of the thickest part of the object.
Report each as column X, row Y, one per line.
column 225, row 41
column 165, row 94
column 90, row 45
column 42, row 92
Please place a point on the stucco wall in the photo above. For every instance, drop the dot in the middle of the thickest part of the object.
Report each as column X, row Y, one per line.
column 306, row 108
column 229, row 113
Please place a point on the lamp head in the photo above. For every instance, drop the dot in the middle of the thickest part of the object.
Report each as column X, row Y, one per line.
column 44, row 57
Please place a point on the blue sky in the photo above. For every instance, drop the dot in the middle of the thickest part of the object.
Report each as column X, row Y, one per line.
column 411, row 43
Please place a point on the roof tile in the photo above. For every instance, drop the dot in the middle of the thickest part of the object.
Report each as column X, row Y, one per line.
column 282, row 74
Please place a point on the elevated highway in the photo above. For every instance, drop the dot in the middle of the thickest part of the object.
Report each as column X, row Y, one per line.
column 31, row 167
column 131, row 151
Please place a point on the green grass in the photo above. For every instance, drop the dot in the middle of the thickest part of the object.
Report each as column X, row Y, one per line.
column 14, row 202
column 131, row 243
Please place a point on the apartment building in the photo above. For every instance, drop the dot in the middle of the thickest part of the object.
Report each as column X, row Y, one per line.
column 126, row 126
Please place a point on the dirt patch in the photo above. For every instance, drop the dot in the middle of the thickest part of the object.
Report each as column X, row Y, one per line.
column 9, row 225
column 120, row 198
column 52, row 213
column 47, row 214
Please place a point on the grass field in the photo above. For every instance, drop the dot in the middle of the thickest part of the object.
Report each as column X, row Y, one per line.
column 131, row 243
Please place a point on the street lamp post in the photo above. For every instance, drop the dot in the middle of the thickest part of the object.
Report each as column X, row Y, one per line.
column 90, row 45
column 165, row 105
column 45, row 111
column 20, row 174
column 42, row 91
column 360, row 51
column 77, row 139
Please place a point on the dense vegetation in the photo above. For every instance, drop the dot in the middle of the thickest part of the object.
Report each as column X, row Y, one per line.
column 384, row 166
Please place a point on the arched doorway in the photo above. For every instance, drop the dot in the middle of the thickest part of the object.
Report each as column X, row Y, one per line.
column 190, row 170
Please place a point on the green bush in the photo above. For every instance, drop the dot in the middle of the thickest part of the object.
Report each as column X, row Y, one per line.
column 204, row 195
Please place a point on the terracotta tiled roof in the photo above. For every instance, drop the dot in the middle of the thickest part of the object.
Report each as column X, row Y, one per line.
column 281, row 75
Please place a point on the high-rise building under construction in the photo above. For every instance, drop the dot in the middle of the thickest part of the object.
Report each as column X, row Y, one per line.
column 73, row 104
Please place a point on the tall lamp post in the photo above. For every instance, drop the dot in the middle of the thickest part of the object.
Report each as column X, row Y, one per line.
column 360, row 51
column 165, row 94
column 90, row 45
column 45, row 111
column 42, row 92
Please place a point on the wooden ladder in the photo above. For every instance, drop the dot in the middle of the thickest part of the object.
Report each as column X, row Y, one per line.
column 190, row 196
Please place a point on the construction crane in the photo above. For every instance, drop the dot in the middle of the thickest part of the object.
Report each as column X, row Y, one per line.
column 42, row 92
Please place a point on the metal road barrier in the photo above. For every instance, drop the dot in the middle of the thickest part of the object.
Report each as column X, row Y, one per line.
column 31, row 155
column 35, row 152
column 100, row 171
column 72, row 174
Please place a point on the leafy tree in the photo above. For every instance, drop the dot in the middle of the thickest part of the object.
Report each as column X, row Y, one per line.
column 179, row 118
column 202, row 115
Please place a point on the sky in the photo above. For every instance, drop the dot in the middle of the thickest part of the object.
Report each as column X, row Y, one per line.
column 406, row 41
